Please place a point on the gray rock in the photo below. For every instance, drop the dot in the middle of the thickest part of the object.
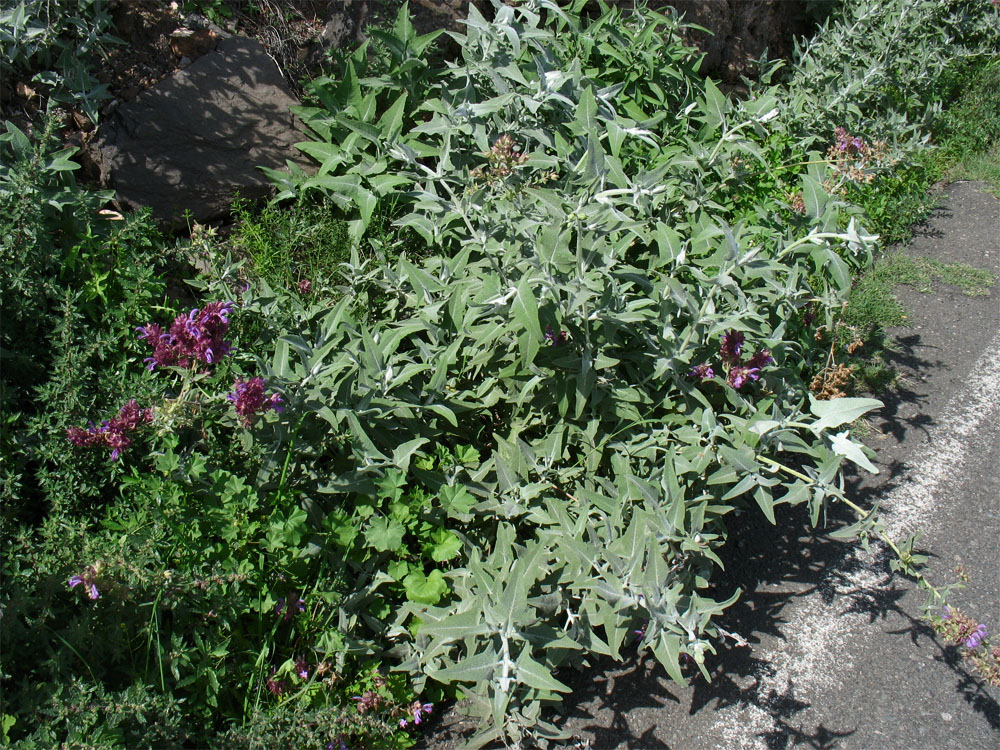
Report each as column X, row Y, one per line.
column 194, row 140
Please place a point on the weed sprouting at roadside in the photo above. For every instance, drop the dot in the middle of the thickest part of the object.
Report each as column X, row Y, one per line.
column 972, row 640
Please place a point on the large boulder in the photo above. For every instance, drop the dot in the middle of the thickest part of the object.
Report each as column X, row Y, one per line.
column 194, row 140
column 740, row 31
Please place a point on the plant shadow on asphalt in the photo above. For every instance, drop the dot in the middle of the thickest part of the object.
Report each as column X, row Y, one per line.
column 902, row 358
column 773, row 565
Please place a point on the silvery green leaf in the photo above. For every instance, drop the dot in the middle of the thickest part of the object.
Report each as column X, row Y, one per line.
column 838, row 411
column 763, row 426
column 535, row 675
column 843, row 446
column 814, row 196
column 716, row 105
column 477, row 668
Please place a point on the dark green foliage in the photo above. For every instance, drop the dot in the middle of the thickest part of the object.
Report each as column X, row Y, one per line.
column 80, row 714
column 76, row 283
column 971, row 121
column 53, row 45
column 899, row 199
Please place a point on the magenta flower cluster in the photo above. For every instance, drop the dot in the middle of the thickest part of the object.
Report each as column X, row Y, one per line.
column 738, row 372
column 113, row 433
column 195, row 337
column 249, row 399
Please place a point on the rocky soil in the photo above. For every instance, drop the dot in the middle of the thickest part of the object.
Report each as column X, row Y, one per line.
column 161, row 41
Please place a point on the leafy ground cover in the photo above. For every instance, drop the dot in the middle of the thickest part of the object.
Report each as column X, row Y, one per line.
column 479, row 408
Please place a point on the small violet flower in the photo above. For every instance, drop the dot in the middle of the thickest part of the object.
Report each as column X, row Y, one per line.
column 302, row 668
column 87, row 578
column 555, row 339
column 420, row 710
column 249, row 399
column 305, row 286
column 975, row 638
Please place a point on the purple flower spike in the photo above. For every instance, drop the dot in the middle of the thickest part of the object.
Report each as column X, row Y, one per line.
column 276, row 686
column 703, row 371
column 555, row 339
column 249, row 399
column 113, row 433
column 732, row 345
column 288, row 612
column 195, row 337
column 761, row 359
column 740, row 376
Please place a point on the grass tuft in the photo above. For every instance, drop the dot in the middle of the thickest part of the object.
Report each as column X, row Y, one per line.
column 306, row 241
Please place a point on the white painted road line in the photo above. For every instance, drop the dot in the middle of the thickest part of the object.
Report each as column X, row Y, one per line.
column 815, row 654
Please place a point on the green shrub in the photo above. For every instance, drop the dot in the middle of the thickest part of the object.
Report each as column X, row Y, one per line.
column 76, row 281
column 584, row 269
column 971, row 122
column 53, row 43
